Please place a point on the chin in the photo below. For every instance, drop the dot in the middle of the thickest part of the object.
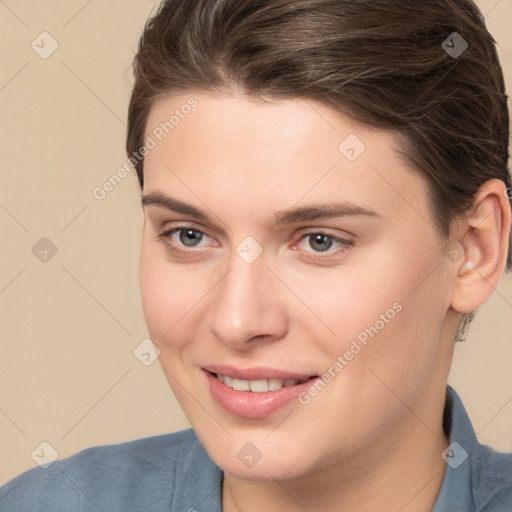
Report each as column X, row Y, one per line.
column 260, row 460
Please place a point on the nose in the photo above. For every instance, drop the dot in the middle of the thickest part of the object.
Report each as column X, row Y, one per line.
column 248, row 306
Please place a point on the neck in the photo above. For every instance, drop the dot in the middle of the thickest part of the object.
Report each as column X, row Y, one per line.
column 401, row 470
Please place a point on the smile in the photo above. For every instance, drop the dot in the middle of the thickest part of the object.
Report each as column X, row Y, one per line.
column 259, row 385
column 260, row 394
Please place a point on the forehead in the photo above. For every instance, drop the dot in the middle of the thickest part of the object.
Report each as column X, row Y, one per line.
column 229, row 118
column 262, row 153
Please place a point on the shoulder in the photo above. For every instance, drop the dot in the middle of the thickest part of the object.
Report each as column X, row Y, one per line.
column 492, row 480
column 477, row 477
column 136, row 475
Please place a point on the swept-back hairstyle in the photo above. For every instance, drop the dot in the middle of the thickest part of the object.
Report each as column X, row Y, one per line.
column 383, row 62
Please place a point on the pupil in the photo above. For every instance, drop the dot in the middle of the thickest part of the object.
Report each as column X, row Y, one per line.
column 189, row 235
column 318, row 239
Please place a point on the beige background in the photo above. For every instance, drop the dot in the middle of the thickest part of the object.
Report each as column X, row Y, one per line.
column 69, row 326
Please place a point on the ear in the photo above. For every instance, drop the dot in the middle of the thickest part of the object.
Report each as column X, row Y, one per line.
column 484, row 236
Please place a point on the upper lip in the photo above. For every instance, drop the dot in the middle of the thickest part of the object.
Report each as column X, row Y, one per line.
column 255, row 373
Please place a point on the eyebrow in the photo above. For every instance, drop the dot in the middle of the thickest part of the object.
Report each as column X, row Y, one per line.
column 289, row 216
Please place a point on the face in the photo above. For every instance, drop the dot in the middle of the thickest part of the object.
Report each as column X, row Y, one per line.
column 292, row 280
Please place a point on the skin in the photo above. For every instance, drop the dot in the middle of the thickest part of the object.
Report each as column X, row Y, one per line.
column 372, row 438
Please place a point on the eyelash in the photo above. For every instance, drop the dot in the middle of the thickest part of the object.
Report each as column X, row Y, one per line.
column 165, row 236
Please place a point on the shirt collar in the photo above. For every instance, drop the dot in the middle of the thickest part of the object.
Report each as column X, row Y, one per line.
column 461, row 457
column 198, row 480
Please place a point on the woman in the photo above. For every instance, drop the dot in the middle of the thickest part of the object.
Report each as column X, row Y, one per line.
column 326, row 203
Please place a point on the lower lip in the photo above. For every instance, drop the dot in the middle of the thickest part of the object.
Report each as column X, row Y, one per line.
column 251, row 405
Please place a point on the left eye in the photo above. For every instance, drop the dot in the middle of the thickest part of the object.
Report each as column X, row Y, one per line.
column 321, row 242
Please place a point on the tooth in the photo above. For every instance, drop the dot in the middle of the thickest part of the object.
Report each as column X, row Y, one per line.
column 275, row 384
column 241, row 385
column 259, row 386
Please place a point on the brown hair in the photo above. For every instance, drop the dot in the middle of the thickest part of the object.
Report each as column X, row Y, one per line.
column 383, row 62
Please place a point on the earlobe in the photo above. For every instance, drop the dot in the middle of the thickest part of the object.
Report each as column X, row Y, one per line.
column 485, row 238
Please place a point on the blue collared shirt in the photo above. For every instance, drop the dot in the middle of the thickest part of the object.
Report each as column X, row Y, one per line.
column 174, row 473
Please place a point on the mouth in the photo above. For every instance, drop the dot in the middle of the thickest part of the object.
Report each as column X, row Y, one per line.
column 258, row 385
column 255, row 393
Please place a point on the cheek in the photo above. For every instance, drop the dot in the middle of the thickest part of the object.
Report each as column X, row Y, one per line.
column 352, row 299
column 168, row 296
column 402, row 348
column 390, row 311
